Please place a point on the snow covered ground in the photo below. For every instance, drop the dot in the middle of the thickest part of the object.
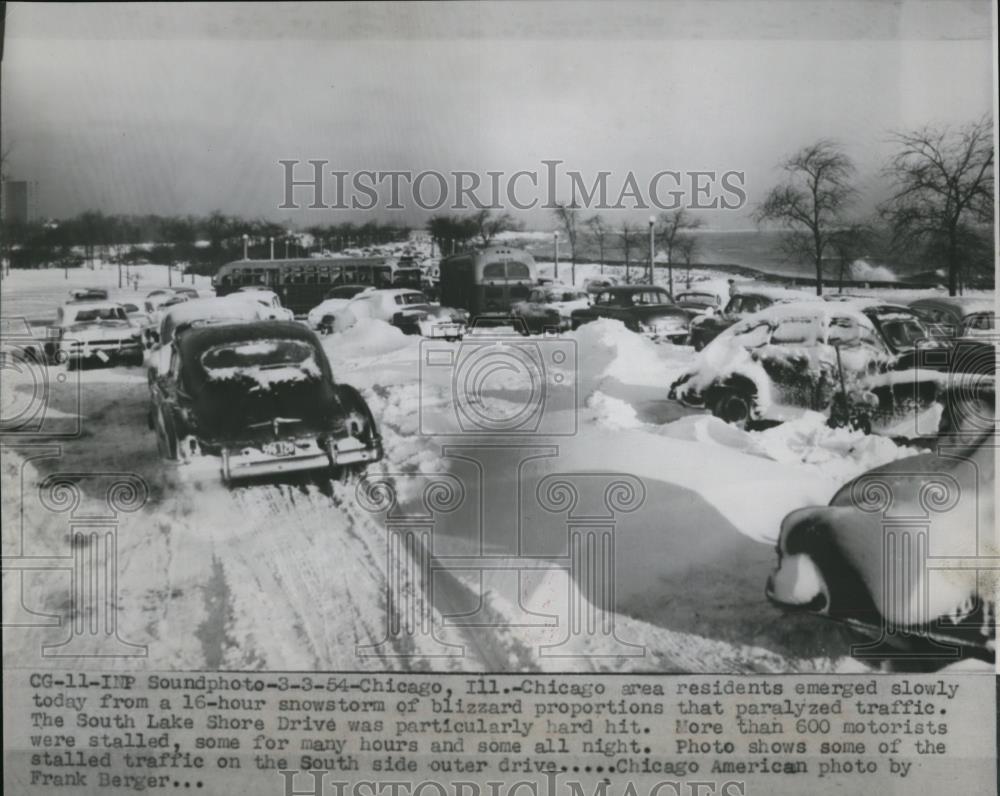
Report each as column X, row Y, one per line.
column 298, row 574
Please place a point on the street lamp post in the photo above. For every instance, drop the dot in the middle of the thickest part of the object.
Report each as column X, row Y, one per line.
column 555, row 272
column 652, row 247
column 271, row 241
column 246, row 242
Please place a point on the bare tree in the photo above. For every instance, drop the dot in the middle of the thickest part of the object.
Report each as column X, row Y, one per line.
column 569, row 216
column 686, row 248
column 810, row 203
column 599, row 231
column 673, row 237
column 488, row 226
column 943, row 190
column 628, row 234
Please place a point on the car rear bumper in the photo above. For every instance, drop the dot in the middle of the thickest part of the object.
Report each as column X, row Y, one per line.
column 253, row 463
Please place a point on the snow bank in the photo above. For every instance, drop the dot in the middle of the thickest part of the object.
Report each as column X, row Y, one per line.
column 612, row 413
column 838, row 454
column 366, row 337
column 607, row 350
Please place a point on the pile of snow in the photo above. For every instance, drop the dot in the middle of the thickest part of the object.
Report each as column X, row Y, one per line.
column 367, row 337
column 838, row 454
column 607, row 350
column 612, row 413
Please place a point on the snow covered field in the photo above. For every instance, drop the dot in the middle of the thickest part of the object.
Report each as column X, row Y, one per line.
column 298, row 574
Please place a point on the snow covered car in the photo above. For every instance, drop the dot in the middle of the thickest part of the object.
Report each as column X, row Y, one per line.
column 854, row 562
column 88, row 330
column 408, row 310
column 260, row 398
column 958, row 316
column 550, row 308
column 707, row 326
column 646, row 310
column 784, row 360
column 321, row 316
column 267, row 299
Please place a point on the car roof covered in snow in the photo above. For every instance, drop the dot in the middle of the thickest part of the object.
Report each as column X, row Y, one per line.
column 966, row 305
column 805, row 309
column 776, row 293
column 865, row 303
column 71, row 308
column 205, row 309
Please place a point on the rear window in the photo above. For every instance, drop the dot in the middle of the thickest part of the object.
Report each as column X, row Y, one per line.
column 793, row 331
column 411, row 298
column 257, row 354
column 100, row 314
column 981, row 322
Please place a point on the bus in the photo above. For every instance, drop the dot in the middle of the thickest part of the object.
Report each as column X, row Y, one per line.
column 301, row 284
column 487, row 282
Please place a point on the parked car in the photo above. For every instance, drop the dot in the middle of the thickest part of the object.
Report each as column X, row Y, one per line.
column 89, row 294
column 321, row 316
column 550, row 308
column 798, row 356
column 958, row 316
column 408, row 310
column 93, row 330
column 834, row 561
column 267, row 299
column 699, row 302
column 707, row 327
column 646, row 310
column 261, row 399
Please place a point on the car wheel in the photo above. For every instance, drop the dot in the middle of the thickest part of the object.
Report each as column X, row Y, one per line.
column 733, row 407
column 166, row 437
column 697, row 342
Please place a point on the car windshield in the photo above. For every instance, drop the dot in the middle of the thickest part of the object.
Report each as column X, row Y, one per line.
column 411, row 298
column 902, row 330
column 645, row 297
column 257, row 354
column 563, row 295
column 698, row 299
column 980, row 322
column 100, row 315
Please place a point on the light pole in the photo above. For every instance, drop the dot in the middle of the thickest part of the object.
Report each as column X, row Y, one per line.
column 246, row 242
column 555, row 240
column 271, row 241
column 652, row 247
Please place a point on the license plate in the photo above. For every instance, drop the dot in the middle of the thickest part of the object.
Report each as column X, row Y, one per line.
column 446, row 330
column 279, row 448
column 103, row 357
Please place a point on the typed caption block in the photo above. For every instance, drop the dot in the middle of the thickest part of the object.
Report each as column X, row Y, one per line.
column 91, row 732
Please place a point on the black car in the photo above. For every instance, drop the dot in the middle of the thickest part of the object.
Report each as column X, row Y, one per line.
column 645, row 309
column 262, row 399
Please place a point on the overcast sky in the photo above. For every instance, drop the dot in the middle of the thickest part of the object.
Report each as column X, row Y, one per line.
column 183, row 109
